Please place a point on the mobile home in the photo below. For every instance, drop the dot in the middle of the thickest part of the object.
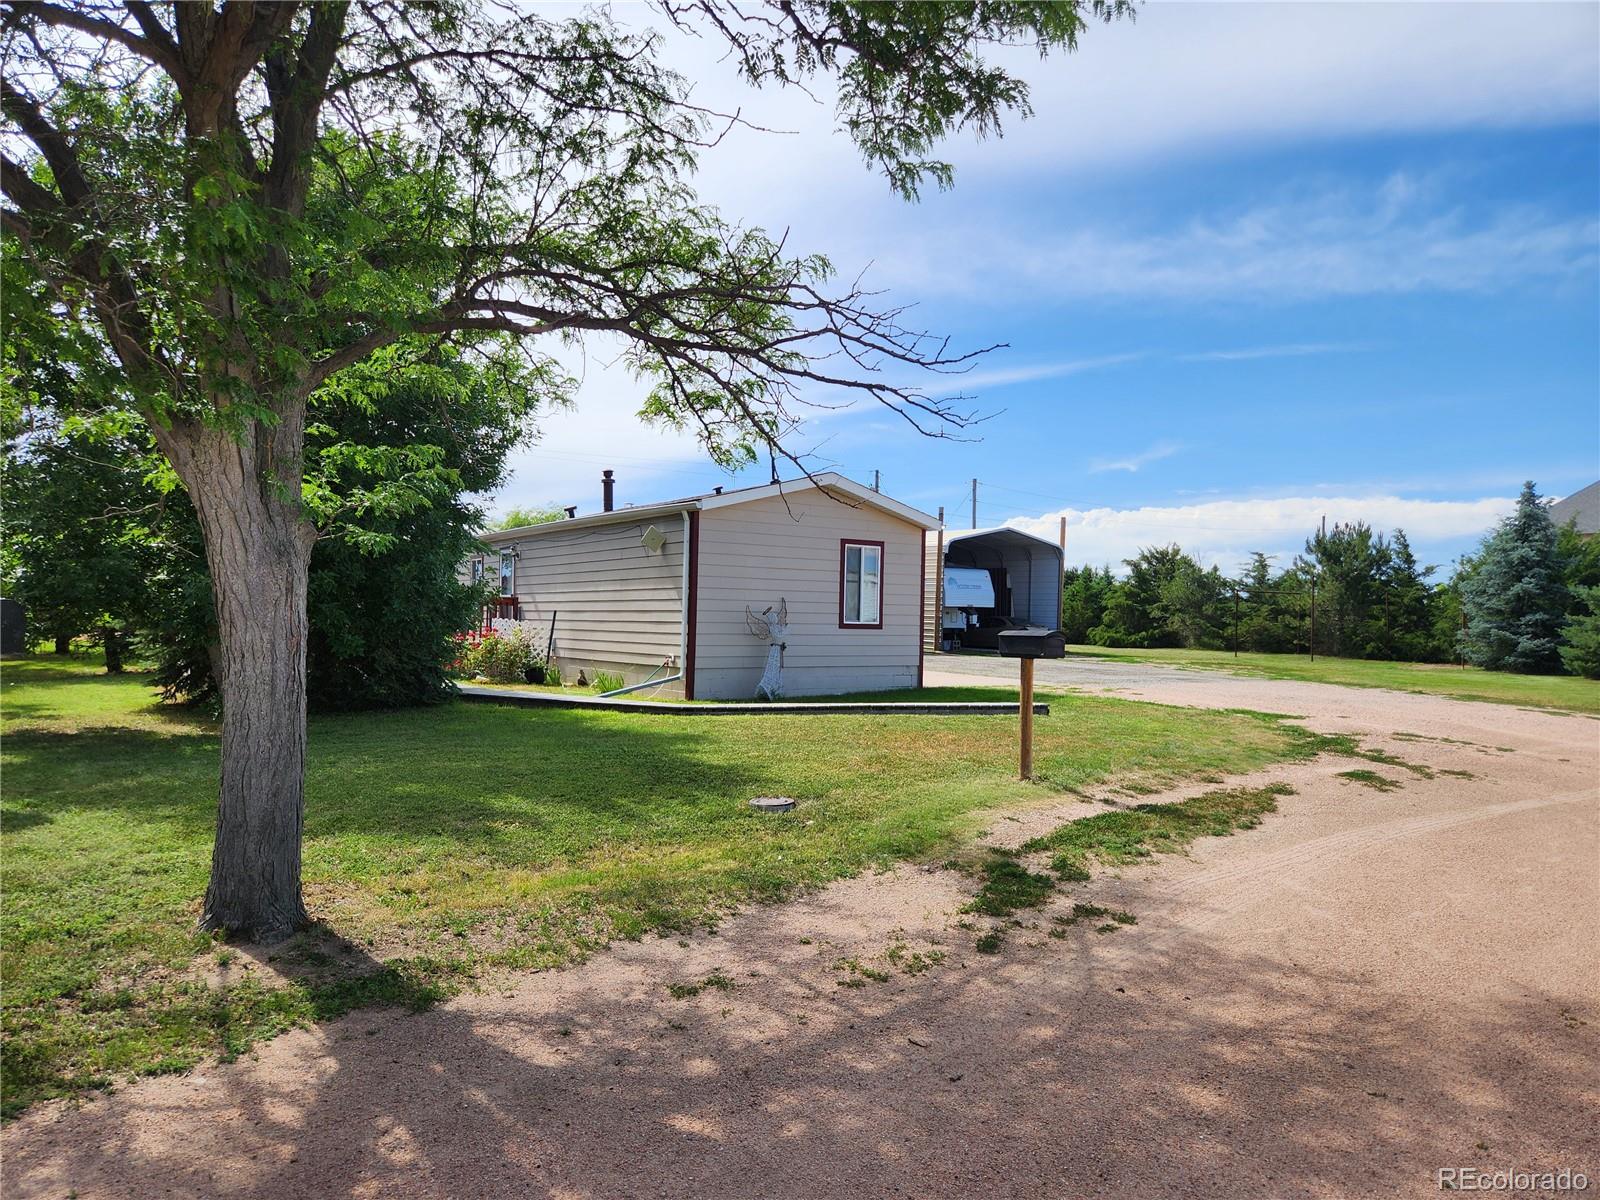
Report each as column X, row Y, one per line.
column 664, row 592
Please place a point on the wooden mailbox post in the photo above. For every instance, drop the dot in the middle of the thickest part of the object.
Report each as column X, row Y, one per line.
column 1027, row 645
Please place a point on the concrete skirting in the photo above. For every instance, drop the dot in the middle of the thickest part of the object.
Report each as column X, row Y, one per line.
column 938, row 708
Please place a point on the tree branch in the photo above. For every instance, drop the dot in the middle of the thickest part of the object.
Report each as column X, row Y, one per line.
column 163, row 54
column 58, row 153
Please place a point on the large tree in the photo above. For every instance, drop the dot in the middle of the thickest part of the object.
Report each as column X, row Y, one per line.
column 1516, row 598
column 228, row 206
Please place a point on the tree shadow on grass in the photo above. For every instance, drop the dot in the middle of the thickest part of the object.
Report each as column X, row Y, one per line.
column 1057, row 1070
column 396, row 774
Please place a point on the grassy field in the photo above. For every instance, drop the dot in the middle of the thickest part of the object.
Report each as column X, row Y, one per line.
column 1568, row 692
column 445, row 843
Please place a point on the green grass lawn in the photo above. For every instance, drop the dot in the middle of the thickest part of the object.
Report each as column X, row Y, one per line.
column 448, row 842
column 1569, row 692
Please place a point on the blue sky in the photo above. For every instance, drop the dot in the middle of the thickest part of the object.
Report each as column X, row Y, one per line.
column 1253, row 264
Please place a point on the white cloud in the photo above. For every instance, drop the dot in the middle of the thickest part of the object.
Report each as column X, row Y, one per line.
column 1225, row 532
column 1182, row 81
column 985, row 381
column 1133, row 462
column 1191, row 78
column 1185, row 82
column 1392, row 239
column 1294, row 350
column 602, row 429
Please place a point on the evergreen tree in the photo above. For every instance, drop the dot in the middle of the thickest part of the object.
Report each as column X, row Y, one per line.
column 1581, row 654
column 1580, row 556
column 1349, row 561
column 1084, row 594
column 1166, row 600
column 1516, row 598
column 1408, row 603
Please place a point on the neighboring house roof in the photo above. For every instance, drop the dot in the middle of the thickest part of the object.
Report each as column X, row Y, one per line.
column 1582, row 507
column 846, row 489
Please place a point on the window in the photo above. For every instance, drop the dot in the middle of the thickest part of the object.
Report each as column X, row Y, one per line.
column 477, row 570
column 860, row 585
column 508, row 573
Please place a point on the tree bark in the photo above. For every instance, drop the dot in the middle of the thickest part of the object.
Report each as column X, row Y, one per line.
column 113, row 646
column 258, row 547
column 63, row 643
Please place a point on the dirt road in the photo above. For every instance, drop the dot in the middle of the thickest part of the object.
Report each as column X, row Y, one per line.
column 1367, row 988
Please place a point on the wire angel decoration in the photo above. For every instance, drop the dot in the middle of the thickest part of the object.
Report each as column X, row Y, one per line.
column 771, row 627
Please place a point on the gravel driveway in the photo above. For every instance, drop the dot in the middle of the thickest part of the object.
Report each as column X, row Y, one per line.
column 1368, row 987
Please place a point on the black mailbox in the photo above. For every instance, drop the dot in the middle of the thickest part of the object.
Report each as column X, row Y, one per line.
column 1033, row 643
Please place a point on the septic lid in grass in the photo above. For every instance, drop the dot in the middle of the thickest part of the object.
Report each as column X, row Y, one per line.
column 773, row 804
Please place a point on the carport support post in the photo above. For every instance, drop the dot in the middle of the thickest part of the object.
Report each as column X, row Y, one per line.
column 1027, row 717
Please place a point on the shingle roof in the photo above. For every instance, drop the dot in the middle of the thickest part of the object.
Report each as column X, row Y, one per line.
column 1582, row 507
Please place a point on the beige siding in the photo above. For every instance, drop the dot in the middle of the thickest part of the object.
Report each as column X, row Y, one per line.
column 932, row 573
column 617, row 606
column 752, row 554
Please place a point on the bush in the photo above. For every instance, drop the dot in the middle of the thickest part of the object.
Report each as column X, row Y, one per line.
column 507, row 658
column 607, row 681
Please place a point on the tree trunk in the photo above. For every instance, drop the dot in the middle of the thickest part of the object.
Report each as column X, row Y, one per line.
column 258, row 548
column 63, row 643
column 113, row 646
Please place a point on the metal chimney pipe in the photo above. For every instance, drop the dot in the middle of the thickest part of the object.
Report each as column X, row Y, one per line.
column 607, row 491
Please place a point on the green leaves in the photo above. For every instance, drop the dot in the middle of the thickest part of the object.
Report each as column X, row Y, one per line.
column 909, row 74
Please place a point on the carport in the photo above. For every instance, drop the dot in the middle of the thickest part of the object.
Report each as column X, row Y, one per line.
column 1025, row 572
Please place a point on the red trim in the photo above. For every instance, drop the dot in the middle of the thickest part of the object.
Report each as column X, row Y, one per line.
column 882, row 572
column 922, row 612
column 693, row 601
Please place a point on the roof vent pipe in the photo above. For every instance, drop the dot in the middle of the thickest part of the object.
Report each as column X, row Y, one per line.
column 607, row 491
column 571, row 511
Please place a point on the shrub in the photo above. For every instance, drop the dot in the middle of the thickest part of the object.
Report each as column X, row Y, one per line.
column 499, row 658
column 607, row 681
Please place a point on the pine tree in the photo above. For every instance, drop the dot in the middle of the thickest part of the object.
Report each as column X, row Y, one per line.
column 1516, row 598
column 1084, row 593
column 1581, row 654
column 1408, row 605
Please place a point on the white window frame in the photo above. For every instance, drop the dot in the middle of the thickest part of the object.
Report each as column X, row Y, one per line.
column 508, row 573
column 477, row 569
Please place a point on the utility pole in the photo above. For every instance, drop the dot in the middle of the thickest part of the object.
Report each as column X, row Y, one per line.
column 1063, row 541
column 1311, row 646
column 974, row 503
column 1236, row 621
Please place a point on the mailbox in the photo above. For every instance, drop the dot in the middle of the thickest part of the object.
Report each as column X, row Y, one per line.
column 1033, row 643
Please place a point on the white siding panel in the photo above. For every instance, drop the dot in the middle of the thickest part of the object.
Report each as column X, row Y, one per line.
column 754, row 554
